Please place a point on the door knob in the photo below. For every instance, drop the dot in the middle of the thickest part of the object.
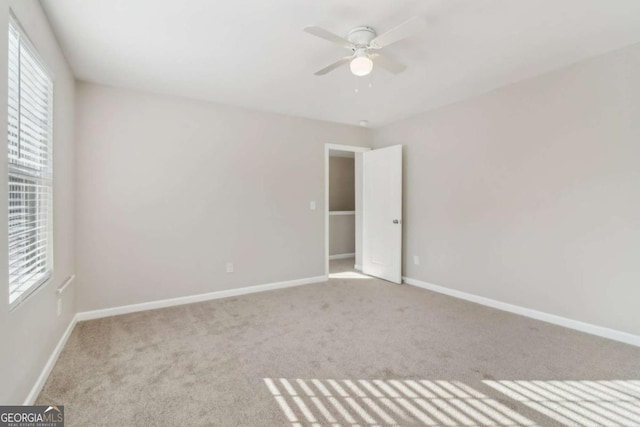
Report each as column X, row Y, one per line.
column 396, row 221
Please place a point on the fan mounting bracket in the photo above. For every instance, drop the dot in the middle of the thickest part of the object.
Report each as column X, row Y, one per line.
column 361, row 36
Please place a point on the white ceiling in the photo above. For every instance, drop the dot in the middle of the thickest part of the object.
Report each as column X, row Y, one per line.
column 253, row 53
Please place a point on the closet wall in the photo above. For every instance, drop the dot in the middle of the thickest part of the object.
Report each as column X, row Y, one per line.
column 342, row 237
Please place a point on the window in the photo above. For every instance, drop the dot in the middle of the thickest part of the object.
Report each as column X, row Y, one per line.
column 30, row 91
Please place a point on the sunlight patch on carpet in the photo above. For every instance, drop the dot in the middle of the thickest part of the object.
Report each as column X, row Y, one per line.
column 348, row 275
column 315, row 403
column 578, row 403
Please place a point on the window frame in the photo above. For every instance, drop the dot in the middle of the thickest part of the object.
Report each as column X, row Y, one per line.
column 21, row 172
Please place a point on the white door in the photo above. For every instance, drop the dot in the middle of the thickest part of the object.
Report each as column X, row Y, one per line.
column 382, row 213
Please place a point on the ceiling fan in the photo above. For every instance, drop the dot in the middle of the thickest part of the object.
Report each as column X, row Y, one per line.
column 364, row 42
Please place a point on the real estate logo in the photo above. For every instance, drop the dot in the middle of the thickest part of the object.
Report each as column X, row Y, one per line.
column 31, row 416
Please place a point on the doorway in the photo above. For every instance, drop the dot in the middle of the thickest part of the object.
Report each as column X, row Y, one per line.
column 363, row 214
column 343, row 203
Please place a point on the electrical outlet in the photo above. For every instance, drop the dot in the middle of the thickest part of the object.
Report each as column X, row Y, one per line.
column 59, row 306
column 312, row 205
column 416, row 260
column 229, row 267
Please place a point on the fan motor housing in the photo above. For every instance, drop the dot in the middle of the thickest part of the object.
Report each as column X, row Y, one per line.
column 361, row 36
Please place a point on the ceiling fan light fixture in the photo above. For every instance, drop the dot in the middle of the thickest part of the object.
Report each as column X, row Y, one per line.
column 364, row 42
column 361, row 65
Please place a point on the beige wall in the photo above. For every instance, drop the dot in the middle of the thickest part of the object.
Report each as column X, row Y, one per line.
column 342, row 184
column 342, row 234
column 31, row 331
column 169, row 190
column 530, row 194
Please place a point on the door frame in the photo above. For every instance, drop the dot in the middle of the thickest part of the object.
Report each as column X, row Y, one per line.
column 327, row 148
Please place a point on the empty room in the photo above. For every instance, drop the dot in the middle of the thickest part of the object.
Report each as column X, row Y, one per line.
column 320, row 213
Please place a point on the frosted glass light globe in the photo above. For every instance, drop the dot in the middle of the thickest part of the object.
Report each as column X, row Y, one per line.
column 361, row 65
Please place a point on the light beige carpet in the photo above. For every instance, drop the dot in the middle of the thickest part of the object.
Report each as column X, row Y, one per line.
column 352, row 351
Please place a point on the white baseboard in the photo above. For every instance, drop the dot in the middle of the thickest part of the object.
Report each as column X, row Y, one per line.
column 600, row 331
column 342, row 256
column 42, row 378
column 114, row 311
column 357, row 267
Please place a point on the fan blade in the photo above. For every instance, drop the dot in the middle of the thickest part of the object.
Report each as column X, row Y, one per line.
column 333, row 66
column 387, row 63
column 398, row 33
column 328, row 35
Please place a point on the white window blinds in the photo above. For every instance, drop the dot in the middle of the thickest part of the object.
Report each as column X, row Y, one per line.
column 30, row 91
